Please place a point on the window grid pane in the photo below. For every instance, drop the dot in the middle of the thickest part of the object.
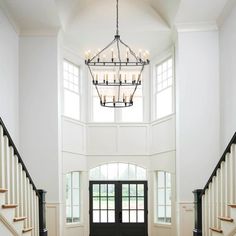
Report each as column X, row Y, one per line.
column 163, row 197
column 163, row 91
column 73, row 197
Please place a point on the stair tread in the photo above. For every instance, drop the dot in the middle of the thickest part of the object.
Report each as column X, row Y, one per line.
column 232, row 205
column 3, row 190
column 25, row 230
column 16, row 219
column 6, row 206
column 226, row 219
column 216, row 230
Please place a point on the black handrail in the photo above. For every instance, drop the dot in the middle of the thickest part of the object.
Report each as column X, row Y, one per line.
column 227, row 150
column 11, row 143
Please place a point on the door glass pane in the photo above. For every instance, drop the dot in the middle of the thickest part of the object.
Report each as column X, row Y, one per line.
column 125, row 190
column 96, row 190
column 125, row 216
column 111, row 216
column 141, row 216
column 140, row 190
column 111, row 203
column 140, row 203
column 103, row 189
column 132, row 203
column 111, row 190
column 133, row 189
column 125, row 203
column 103, row 202
column 95, row 203
column 103, row 216
column 95, row 216
column 133, row 216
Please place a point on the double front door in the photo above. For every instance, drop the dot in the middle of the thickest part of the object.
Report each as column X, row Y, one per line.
column 118, row 208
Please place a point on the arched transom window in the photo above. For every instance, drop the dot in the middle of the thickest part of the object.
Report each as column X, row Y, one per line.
column 117, row 171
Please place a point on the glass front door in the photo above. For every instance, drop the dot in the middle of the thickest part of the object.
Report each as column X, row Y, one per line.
column 118, row 208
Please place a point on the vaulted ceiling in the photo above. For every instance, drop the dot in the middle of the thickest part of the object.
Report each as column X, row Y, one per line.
column 91, row 23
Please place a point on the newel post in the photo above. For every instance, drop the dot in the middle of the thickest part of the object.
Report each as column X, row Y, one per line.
column 42, row 213
column 197, row 212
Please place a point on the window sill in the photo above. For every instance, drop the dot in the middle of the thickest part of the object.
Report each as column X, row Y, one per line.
column 163, row 225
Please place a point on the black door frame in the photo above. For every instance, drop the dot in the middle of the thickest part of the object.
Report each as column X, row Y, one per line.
column 116, row 228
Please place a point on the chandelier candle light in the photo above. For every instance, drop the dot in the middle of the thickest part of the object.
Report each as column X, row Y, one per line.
column 116, row 77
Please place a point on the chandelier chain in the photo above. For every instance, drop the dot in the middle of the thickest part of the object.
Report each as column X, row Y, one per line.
column 117, row 17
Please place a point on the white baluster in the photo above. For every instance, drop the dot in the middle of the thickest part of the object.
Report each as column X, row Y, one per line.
column 7, row 169
column 222, row 188
column 210, row 207
column 25, row 199
column 226, row 184
column 37, row 215
column 17, row 191
column 213, row 202
column 218, row 213
column 28, row 204
column 2, row 161
column 203, row 212
column 21, row 191
column 12, row 175
column 32, row 209
column 206, row 233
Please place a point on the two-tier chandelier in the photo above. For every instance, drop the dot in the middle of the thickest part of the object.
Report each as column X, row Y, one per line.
column 117, row 77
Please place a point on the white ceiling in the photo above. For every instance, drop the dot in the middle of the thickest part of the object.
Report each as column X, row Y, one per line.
column 90, row 24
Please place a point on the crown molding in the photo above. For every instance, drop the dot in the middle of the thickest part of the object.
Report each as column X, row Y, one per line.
column 40, row 32
column 196, row 27
column 9, row 17
column 226, row 12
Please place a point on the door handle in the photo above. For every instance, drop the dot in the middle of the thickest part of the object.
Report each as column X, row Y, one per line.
column 120, row 217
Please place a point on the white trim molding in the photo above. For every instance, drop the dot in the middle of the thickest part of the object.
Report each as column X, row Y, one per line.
column 196, row 27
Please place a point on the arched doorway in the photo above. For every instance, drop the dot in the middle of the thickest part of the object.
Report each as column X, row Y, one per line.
column 118, row 200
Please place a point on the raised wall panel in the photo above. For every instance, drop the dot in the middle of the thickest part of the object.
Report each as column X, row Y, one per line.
column 102, row 140
column 73, row 137
column 163, row 136
column 133, row 140
column 52, row 218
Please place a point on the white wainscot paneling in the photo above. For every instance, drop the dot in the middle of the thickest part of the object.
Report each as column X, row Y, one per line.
column 163, row 136
column 52, row 219
column 73, row 137
column 72, row 231
column 186, row 218
column 101, row 140
column 133, row 140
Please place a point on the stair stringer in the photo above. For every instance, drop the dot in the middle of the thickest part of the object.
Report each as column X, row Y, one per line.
column 8, row 225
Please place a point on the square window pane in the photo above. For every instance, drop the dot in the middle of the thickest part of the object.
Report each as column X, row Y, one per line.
column 168, row 211
column 140, row 203
column 125, row 216
column 168, row 180
column 168, row 197
column 68, row 197
column 95, row 216
column 68, row 212
column 68, row 181
column 140, row 190
column 76, row 213
column 161, row 212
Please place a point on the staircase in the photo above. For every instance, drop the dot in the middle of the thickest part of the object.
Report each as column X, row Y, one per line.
column 21, row 204
column 215, row 205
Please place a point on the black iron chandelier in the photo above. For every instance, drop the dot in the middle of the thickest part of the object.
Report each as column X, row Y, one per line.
column 117, row 78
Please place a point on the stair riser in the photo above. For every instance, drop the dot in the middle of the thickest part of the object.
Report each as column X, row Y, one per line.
column 227, row 227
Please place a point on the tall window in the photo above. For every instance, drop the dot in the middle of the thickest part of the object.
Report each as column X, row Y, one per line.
column 129, row 114
column 71, row 90
column 163, row 209
column 73, row 197
column 163, row 91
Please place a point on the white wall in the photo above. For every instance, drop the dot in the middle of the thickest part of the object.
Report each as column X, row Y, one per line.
column 9, row 78
column 227, row 78
column 39, row 125
column 197, row 117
